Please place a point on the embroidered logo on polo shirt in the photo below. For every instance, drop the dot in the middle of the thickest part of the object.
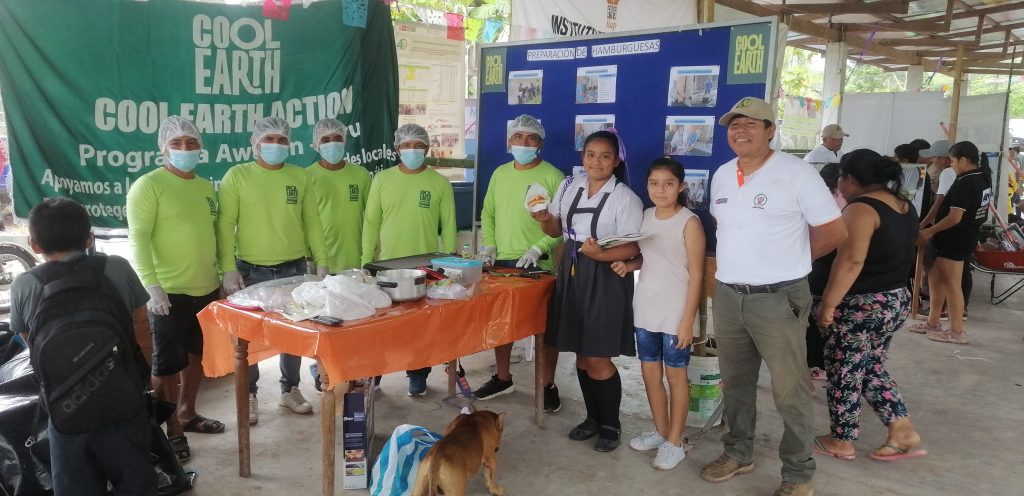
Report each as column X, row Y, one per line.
column 760, row 200
column 424, row 198
column 721, row 201
column 353, row 192
column 291, row 195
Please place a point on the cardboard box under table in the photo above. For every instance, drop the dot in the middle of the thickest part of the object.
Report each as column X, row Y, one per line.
column 406, row 336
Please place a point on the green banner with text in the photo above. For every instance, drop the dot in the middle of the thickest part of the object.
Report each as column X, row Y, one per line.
column 86, row 83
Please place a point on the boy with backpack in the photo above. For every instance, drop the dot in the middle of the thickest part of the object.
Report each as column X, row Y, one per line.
column 81, row 315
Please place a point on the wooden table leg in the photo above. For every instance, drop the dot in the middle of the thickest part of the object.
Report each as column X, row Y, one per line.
column 540, row 361
column 453, row 375
column 242, row 404
column 328, row 432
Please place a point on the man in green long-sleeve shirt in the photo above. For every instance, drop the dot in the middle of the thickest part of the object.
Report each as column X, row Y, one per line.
column 340, row 190
column 511, row 238
column 171, row 215
column 407, row 206
column 268, row 219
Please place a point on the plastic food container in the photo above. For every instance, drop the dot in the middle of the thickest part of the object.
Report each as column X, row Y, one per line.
column 464, row 271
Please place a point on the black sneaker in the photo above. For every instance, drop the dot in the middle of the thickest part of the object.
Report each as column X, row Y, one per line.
column 552, row 404
column 494, row 388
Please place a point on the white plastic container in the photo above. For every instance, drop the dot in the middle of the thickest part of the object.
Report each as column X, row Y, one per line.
column 464, row 271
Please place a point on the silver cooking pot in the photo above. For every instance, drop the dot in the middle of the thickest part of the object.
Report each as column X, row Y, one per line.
column 403, row 284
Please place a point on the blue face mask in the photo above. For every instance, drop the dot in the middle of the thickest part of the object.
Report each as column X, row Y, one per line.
column 273, row 153
column 412, row 158
column 524, row 154
column 333, row 152
column 183, row 160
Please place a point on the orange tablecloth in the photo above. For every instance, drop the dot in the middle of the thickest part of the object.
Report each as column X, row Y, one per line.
column 406, row 336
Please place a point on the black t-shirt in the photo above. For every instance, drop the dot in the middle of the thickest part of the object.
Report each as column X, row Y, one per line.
column 971, row 193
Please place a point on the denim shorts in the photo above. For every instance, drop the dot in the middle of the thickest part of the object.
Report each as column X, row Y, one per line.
column 661, row 347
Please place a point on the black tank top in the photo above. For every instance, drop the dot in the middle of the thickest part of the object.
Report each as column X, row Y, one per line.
column 890, row 254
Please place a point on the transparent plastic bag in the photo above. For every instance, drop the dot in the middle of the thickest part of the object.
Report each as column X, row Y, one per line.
column 448, row 290
column 273, row 295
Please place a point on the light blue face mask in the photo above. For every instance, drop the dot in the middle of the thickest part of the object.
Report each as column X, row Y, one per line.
column 183, row 160
column 333, row 152
column 412, row 158
column 524, row 154
column 273, row 153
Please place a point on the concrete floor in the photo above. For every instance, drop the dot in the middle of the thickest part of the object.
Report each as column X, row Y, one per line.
column 966, row 401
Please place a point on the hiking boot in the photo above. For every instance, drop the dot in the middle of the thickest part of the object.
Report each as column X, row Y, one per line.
column 793, row 489
column 254, row 412
column 724, row 468
column 417, row 385
column 647, row 441
column 669, row 455
column 294, row 401
column 552, row 404
column 494, row 388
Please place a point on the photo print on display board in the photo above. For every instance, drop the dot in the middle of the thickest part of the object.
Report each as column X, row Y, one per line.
column 696, row 188
column 589, row 124
column 596, row 84
column 690, row 136
column 693, row 86
column 525, row 87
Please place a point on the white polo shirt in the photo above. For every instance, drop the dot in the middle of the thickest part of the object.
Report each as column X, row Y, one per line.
column 622, row 213
column 763, row 235
column 946, row 178
column 820, row 156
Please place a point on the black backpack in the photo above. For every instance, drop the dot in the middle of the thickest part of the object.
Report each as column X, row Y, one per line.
column 90, row 370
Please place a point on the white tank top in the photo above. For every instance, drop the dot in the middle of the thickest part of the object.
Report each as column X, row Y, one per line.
column 660, row 294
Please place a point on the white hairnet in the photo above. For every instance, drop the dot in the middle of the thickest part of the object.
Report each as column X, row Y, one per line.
column 412, row 132
column 270, row 125
column 327, row 127
column 527, row 124
column 176, row 127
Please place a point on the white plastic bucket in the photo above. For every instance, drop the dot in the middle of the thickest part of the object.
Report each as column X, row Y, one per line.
column 705, row 389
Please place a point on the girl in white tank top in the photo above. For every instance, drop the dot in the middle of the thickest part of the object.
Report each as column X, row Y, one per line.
column 665, row 305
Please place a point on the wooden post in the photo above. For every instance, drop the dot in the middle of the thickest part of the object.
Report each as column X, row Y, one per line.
column 540, row 363
column 707, row 11
column 958, row 77
column 453, row 370
column 328, row 432
column 242, row 404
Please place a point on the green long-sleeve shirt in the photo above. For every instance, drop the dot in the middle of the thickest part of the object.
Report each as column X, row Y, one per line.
column 267, row 217
column 505, row 221
column 171, row 229
column 404, row 212
column 340, row 199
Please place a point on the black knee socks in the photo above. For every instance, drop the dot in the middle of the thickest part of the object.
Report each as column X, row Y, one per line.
column 589, row 398
column 609, row 395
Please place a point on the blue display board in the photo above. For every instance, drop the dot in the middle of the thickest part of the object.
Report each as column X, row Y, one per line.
column 664, row 89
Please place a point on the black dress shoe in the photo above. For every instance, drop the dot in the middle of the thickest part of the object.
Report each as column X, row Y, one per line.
column 585, row 430
column 609, row 439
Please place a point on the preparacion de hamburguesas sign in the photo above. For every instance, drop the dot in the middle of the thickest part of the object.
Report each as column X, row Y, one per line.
column 86, row 84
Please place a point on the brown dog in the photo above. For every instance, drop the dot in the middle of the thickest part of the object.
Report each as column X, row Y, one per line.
column 471, row 439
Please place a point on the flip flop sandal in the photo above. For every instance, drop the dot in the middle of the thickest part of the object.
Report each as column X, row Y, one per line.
column 822, row 450
column 901, row 454
column 947, row 336
column 923, row 328
column 203, row 425
column 180, row 446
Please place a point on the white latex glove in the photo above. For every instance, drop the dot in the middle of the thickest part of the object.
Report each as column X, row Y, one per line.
column 322, row 271
column 232, row 282
column 158, row 302
column 530, row 258
column 310, row 267
column 487, row 255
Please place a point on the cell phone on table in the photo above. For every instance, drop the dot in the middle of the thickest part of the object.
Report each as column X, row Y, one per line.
column 327, row 320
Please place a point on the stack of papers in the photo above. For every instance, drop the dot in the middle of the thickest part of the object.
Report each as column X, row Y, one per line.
column 613, row 241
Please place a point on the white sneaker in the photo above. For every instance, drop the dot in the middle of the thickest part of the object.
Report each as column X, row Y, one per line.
column 254, row 412
column 647, row 441
column 294, row 401
column 669, row 455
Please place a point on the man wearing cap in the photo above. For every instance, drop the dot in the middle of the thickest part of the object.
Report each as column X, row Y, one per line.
column 268, row 217
column 171, row 215
column 340, row 191
column 940, row 175
column 406, row 208
column 511, row 238
column 774, row 216
column 827, row 152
